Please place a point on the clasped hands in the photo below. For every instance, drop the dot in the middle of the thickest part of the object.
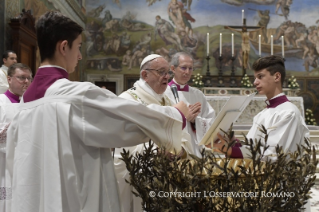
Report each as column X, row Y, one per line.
column 190, row 112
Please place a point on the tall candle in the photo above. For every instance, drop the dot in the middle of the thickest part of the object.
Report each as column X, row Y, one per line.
column 272, row 45
column 259, row 45
column 207, row 44
column 232, row 44
column 220, row 44
column 282, row 46
column 242, row 15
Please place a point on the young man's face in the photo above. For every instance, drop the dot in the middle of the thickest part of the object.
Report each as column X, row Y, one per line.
column 266, row 83
column 20, row 81
column 73, row 55
column 12, row 59
column 183, row 72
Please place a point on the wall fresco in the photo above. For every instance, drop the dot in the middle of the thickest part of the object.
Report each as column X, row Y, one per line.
column 121, row 32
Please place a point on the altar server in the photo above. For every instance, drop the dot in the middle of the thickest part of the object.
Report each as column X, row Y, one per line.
column 202, row 114
column 19, row 78
column 9, row 57
column 282, row 119
column 58, row 149
column 149, row 89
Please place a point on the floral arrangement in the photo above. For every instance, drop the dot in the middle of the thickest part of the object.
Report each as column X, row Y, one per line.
column 245, row 82
column 292, row 83
column 309, row 118
column 197, row 81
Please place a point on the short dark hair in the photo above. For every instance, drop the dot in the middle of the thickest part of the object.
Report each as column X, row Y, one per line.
column 13, row 67
column 273, row 64
column 53, row 27
column 5, row 55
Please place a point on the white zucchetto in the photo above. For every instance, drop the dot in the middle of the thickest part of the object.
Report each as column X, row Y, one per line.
column 149, row 58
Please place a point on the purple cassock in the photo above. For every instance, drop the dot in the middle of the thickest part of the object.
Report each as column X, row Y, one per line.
column 185, row 89
column 12, row 97
column 273, row 103
column 44, row 78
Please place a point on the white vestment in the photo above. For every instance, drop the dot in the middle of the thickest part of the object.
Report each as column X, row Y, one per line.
column 4, row 85
column 7, row 112
column 204, row 119
column 58, row 147
column 143, row 93
column 286, row 127
column 4, row 99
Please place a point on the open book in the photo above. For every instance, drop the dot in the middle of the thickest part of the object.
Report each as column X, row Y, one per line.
column 228, row 114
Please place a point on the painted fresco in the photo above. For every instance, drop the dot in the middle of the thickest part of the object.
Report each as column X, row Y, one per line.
column 119, row 33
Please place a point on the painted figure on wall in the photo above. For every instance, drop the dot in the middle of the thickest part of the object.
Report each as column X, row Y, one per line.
column 115, row 29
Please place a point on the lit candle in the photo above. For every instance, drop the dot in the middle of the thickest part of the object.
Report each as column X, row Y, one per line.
column 271, row 45
column 207, row 44
column 232, row 44
column 242, row 15
column 259, row 45
column 282, row 46
column 220, row 44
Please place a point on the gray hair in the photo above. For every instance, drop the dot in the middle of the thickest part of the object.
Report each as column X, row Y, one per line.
column 175, row 58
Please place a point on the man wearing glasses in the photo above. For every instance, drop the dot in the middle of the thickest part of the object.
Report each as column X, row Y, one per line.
column 19, row 79
column 149, row 89
column 201, row 114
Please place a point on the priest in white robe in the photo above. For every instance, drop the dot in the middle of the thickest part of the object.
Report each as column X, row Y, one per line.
column 149, row 89
column 9, row 57
column 202, row 113
column 19, row 78
column 58, row 144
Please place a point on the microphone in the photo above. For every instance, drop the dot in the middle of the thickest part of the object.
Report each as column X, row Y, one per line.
column 175, row 93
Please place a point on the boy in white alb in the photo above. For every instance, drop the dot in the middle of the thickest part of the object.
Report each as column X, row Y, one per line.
column 282, row 119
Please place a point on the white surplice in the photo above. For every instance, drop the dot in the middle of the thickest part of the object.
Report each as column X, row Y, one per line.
column 286, row 127
column 204, row 119
column 4, row 99
column 58, row 149
column 143, row 93
column 7, row 112
column 4, row 85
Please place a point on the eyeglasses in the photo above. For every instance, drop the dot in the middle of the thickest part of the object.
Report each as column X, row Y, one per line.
column 161, row 73
column 184, row 68
column 22, row 79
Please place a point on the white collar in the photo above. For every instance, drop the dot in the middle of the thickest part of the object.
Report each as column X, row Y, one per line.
column 51, row 66
column 181, row 86
column 143, row 84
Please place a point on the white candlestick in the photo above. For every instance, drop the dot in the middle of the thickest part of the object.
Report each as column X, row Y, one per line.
column 271, row 45
column 232, row 44
column 220, row 44
column 282, row 46
column 242, row 15
column 207, row 44
column 259, row 45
